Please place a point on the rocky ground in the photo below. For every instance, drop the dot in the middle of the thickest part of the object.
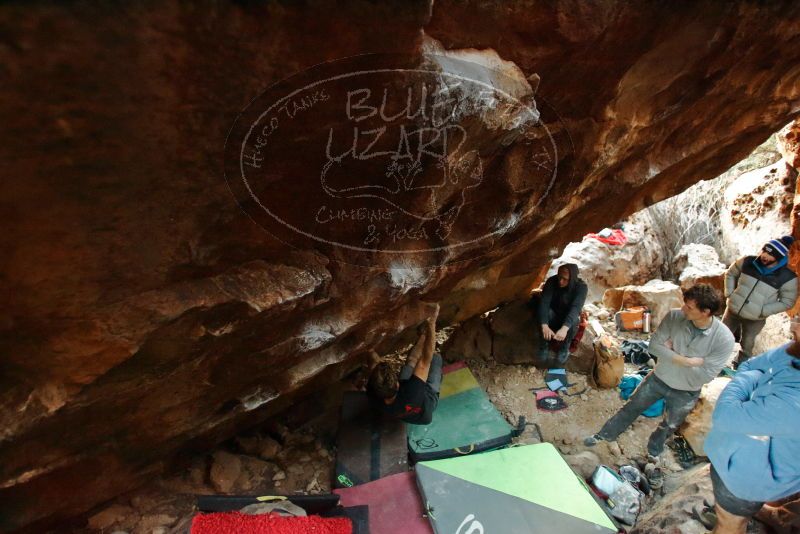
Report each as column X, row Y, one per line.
column 298, row 456
column 283, row 461
column 279, row 460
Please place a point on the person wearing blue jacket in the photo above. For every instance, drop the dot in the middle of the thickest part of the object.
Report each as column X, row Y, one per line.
column 754, row 443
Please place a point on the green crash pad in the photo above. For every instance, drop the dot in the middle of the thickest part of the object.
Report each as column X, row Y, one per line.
column 464, row 422
column 528, row 489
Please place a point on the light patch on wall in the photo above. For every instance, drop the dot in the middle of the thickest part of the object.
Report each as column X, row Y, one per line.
column 405, row 276
column 257, row 399
column 315, row 335
column 503, row 226
column 478, row 283
column 307, row 369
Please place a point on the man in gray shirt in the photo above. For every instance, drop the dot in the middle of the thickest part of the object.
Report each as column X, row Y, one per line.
column 692, row 346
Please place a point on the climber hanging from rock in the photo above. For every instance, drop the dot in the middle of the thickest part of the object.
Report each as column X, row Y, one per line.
column 414, row 394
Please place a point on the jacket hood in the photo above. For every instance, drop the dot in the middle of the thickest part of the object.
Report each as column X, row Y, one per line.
column 573, row 275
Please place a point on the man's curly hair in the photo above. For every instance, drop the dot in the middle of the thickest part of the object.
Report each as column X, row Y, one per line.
column 705, row 296
column 382, row 381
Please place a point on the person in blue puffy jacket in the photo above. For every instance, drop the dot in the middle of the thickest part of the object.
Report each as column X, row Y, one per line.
column 754, row 443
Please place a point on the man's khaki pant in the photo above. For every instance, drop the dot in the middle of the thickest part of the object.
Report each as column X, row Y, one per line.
column 749, row 330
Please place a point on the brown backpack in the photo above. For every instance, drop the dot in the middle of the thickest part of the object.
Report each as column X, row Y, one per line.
column 609, row 362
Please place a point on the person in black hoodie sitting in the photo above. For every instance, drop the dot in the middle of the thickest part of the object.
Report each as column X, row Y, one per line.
column 414, row 394
column 559, row 311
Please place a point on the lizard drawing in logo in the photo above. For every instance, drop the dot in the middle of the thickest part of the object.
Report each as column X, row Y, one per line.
column 447, row 182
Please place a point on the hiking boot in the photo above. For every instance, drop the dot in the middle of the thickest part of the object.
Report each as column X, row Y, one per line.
column 591, row 441
column 653, row 453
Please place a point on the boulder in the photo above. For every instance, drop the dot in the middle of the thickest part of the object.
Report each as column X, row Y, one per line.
column 698, row 422
column 254, row 472
column 225, row 470
column 583, row 463
column 248, row 444
column 756, row 208
column 516, row 333
column 268, row 448
column 776, row 332
column 604, row 266
column 612, row 298
column 196, row 473
column 485, row 289
column 109, row 516
column 699, row 264
column 146, row 309
column 673, row 512
column 659, row 296
column 151, row 523
column 789, row 143
column 472, row 339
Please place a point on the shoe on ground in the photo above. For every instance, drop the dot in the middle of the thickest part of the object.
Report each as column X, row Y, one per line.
column 705, row 515
column 591, row 441
column 655, row 477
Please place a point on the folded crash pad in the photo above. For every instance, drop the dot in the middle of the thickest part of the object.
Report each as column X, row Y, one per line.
column 358, row 515
column 368, row 446
column 465, row 421
column 394, row 504
column 236, row 522
column 528, row 489
column 323, row 505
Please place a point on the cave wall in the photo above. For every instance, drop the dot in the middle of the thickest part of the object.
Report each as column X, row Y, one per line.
column 144, row 310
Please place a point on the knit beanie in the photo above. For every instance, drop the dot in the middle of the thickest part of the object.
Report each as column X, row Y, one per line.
column 779, row 248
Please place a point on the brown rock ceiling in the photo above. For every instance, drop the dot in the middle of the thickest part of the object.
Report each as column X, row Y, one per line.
column 144, row 311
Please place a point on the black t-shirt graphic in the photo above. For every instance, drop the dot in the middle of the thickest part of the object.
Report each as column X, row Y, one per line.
column 415, row 402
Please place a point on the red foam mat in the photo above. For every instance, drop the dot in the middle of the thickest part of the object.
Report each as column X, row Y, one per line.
column 453, row 367
column 238, row 523
column 394, row 504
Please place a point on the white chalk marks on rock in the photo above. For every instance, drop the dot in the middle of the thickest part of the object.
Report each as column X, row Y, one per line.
column 381, row 156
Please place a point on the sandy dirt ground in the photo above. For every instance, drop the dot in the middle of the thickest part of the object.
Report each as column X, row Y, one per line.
column 277, row 459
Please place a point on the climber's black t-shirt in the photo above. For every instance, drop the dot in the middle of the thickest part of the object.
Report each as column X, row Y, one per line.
column 415, row 402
